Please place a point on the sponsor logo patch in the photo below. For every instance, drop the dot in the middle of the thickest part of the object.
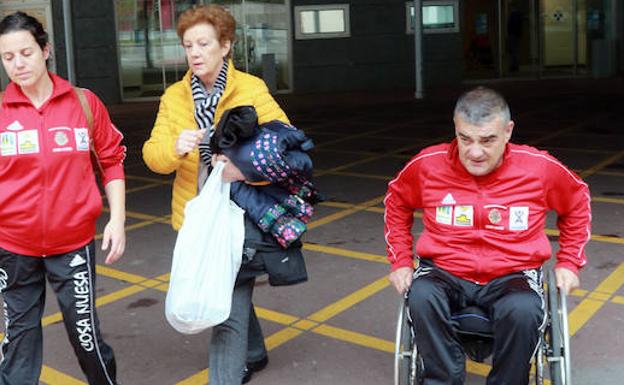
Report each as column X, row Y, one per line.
column 8, row 143
column 463, row 216
column 28, row 142
column 82, row 139
column 518, row 218
column 444, row 214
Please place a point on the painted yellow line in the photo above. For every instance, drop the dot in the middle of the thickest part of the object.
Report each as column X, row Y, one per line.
column 594, row 237
column 273, row 316
column 148, row 179
column 143, row 187
column 592, row 170
column 305, row 324
column 578, row 317
column 355, row 338
column 118, row 274
column 341, row 214
column 54, row 377
column 350, row 300
column 608, row 200
column 582, row 313
column 477, row 368
column 618, row 299
column 119, row 294
column 200, row 378
column 613, row 282
column 345, row 253
column 281, row 337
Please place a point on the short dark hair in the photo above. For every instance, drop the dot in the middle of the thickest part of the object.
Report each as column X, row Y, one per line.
column 481, row 105
column 20, row 21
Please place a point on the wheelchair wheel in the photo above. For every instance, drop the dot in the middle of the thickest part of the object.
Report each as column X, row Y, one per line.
column 558, row 335
column 408, row 366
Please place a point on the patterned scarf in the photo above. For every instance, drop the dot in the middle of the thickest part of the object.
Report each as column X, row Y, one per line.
column 205, row 107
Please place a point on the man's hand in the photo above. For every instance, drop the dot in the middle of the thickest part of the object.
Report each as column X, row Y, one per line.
column 115, row 236
column 231, row 173
column 566, row 280
column 401, row 279
column 188, row 140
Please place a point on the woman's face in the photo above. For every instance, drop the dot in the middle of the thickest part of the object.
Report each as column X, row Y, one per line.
column 203, row 51
column 23, row 60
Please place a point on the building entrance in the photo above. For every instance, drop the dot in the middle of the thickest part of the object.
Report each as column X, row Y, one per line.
column 535, row 38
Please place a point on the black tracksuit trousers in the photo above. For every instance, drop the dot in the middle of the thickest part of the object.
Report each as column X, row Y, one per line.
column 514, row 303
column 23, row 286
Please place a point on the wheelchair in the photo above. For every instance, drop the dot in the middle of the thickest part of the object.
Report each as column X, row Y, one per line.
column 553, row 350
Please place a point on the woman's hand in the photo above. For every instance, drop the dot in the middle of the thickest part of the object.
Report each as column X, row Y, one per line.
column 231, row 173
column 188, row 140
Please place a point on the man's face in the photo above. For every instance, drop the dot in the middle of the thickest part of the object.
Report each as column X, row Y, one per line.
column 481, row 147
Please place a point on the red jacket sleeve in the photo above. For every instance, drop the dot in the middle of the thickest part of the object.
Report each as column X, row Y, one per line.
column 402, row 199
column 107, row 141
column 569, row 196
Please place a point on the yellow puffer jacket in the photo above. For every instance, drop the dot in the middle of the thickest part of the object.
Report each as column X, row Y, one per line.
column 176, row 112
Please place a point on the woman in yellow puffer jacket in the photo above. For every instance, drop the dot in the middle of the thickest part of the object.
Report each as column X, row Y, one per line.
column 188, row 112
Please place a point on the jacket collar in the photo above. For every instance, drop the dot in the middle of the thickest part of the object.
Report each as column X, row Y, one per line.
column 14, row 94
column 231, row 74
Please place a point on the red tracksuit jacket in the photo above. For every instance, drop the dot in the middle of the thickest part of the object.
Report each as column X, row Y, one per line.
column 481, row 228
column 49, row 199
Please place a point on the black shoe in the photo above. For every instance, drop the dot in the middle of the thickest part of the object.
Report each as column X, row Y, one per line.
column 253, row 367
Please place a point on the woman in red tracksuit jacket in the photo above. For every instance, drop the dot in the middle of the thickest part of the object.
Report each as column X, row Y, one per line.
column 49, row 203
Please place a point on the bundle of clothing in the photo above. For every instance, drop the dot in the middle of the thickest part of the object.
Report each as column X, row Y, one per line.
column 278, row 194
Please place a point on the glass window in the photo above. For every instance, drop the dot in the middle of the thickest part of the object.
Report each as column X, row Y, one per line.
column 322, row 21
column 437, row 16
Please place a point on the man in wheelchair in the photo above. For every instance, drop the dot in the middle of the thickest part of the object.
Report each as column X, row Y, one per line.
column 484, row 203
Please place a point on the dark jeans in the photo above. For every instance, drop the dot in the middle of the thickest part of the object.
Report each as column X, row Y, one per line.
column 23, row 286
column 515, row 306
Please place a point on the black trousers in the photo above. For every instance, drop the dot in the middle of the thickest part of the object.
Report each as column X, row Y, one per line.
column 514, row 303
column 23, row 286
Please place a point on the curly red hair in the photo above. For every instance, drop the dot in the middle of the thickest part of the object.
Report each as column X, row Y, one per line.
column 215, row 15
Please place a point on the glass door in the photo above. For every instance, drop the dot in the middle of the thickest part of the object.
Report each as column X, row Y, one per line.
column 481, row 39
column 519, row 48
column 564, row 37
column 262, row 40
column 151, row 57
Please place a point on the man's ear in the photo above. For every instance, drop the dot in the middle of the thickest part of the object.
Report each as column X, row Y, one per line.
column 509, row 130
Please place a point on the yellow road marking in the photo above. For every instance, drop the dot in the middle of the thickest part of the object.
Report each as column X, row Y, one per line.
column 582, row 313
column 118, row 274
column 350, row 300
column 618, row 299
column 345, row 253
column 54, row 377
column 355, row 338
column 592, row 170
column 200, row 378
column 274, row 316
column 613, row 282
column 149, row 180
column 341, row 214
column 305, row 324
column 608, row 200
column 143, row 187
column 281, row 337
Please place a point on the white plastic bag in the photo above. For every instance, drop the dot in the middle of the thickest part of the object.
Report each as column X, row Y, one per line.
column 206, row 258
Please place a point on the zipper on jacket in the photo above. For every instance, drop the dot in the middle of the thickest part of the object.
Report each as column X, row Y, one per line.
column 479, row 235
column 44, row 169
